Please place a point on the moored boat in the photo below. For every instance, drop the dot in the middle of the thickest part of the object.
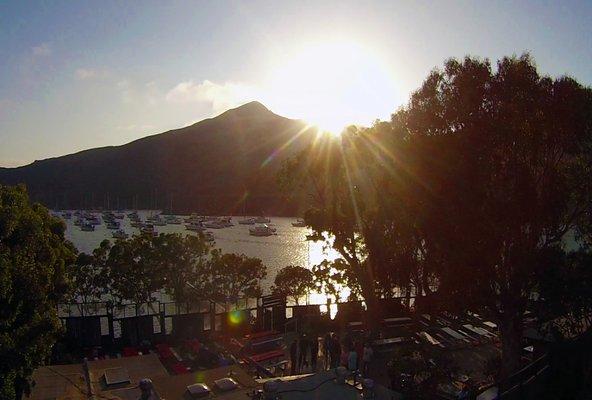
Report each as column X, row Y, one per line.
column 261, row 230
column 299, row 223
column 120, row 234
column 87, row 227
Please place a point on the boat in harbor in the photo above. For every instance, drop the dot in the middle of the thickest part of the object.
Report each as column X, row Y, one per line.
column 87, row 227
column 219, row 223
column 195, row 227
column 262, row 220
column 172, row 219
column 194, row 218
column 247, row 221
column 112, row 224
column 148, row 229
column 299, row 223
column 119, row 234
column 262, row 230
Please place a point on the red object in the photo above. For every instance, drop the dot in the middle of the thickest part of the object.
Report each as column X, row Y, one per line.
column 267, row 356
column 180, row 368
column 193, row 344
column 130, row 351
column 164, row 351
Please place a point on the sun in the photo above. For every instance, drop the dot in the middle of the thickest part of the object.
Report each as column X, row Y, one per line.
column 331, row 85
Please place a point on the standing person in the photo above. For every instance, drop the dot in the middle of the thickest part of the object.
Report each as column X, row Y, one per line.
column 293, row 357
column 359, row 346
column 335, row 351
column 352, row 360
column 327, row 344
column 314, row 353
column 304, row 346
column 367, row 354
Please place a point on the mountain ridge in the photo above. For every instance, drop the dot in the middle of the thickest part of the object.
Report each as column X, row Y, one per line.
column 211, row 166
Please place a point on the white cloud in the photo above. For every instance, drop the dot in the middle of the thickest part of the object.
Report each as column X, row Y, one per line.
column 221, row 96
column 85, row 73
column 42, row 50
column 139, row 94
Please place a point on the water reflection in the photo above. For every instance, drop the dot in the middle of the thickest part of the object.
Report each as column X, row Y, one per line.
column 288, row 247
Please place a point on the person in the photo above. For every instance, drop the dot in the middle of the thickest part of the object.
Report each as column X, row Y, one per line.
column 367, row 354
column 352, row 360
column 359, row 346
column 314, row 353
column 335, row 351
column 293, row 357
column 327, row 350
column 304, row 346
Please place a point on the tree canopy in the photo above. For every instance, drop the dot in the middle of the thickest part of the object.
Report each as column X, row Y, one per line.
column 186, row 267
column 469, row 191
column 33, row 278
column 293, row 282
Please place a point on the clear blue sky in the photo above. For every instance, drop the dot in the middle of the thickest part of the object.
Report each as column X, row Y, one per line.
column 81, row 74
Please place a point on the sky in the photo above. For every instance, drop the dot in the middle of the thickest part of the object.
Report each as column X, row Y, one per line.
column 82, row 74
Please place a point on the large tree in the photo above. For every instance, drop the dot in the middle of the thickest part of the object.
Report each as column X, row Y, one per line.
column 183, row 260
column 505, row 153
column 228, row 277
column 469, row 190
column 134, row 270
column 293, row 282
column 363, row 203
column 33, row 279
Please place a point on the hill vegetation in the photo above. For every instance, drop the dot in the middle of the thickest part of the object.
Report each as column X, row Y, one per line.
column 209, row 167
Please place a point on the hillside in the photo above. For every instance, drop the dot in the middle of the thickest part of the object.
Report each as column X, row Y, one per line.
column 206, row 167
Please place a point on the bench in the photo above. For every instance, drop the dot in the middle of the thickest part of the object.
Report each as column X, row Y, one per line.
column 270, row 355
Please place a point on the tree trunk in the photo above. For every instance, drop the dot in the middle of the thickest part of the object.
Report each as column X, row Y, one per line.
column 511, row 338
column 373, row 312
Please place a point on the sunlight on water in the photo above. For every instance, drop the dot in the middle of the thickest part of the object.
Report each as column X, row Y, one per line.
column 288, row 247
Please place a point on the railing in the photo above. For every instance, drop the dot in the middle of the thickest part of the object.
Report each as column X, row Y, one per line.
column 522, row 382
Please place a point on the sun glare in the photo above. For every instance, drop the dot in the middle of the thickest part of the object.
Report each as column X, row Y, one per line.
column 330, row 85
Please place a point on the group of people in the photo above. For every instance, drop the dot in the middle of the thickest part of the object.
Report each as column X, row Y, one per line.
column 354, row 355
column 300, row 350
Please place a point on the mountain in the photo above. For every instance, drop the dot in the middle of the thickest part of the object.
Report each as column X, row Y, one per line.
column 208, row 167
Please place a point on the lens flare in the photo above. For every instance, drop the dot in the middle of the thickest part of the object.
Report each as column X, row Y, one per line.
column 235, row 317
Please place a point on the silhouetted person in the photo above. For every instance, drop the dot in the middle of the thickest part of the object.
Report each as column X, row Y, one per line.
column 304, row 346
column 327, row 343
column 367, row 354
column 293, row 356
column 335, row 351
column 314, row 353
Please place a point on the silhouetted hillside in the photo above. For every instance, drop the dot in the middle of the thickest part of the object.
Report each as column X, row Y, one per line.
column 206, row 167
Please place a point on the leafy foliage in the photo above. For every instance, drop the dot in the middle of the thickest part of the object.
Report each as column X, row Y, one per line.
column 469, row 191
column 293, row 281
column 227, row 277
column 33, row 278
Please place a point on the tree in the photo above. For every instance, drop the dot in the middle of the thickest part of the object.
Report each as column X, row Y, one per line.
column 134, row 270
column 88, row 275
column 506, row 156
column 293, row 281
column 363, row 203
column 227, row 277
column 469, row 191
column 183, row 260
column 33, row 280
